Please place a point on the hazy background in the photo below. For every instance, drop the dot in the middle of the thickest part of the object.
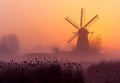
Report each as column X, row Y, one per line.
column 41, row 22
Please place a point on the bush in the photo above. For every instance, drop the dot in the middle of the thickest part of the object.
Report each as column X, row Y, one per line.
column 55, row 49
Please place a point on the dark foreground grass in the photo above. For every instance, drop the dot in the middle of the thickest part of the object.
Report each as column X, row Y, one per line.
column 104, row 72
column 40, row 70
column 46, row 70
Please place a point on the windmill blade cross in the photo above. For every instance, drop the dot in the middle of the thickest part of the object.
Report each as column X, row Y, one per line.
column 91, row 21
column 81, row 17
column 72, row 37
column 71, row 22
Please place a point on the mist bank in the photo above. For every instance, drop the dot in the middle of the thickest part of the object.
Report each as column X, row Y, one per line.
column 85, row 60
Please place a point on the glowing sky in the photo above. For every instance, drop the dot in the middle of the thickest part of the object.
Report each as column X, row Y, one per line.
column 41, row 22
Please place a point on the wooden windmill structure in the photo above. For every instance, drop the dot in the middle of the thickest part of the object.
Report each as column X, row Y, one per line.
column 82, row 33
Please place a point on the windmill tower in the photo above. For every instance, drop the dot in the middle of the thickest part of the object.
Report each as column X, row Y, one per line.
column 82, row 34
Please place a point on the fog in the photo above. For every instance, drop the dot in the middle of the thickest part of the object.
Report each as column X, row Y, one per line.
column 10, row 49
column 84, row 59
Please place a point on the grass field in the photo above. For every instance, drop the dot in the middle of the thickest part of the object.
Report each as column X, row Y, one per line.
column 49, row 70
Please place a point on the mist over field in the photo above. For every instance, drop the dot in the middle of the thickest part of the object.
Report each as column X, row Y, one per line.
column 19, row 63
column 84, row 59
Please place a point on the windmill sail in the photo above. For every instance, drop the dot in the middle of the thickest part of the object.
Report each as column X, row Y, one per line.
column 71, row 22
column 91, row 21
column 81, row 17
column 75, row 34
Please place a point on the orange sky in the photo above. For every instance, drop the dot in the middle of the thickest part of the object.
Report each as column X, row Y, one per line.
column 41, row 22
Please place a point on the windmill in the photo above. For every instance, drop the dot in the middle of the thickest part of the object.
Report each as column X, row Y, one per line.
column 82, row 33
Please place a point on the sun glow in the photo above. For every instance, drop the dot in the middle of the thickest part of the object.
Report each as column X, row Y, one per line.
column 42, row 22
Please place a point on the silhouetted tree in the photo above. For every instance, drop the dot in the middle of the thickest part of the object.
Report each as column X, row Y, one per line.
column 96, row 44
column 9, row 44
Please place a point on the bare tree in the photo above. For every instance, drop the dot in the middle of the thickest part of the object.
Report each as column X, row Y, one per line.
column 9, row 44
column 96, row 44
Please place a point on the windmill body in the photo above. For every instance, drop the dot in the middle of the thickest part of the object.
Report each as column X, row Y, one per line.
column 82, row 41
column 82, row 34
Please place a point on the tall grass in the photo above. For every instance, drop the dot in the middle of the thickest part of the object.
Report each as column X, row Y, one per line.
column 41, row 70
column 47, row 70
column 104, row 72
